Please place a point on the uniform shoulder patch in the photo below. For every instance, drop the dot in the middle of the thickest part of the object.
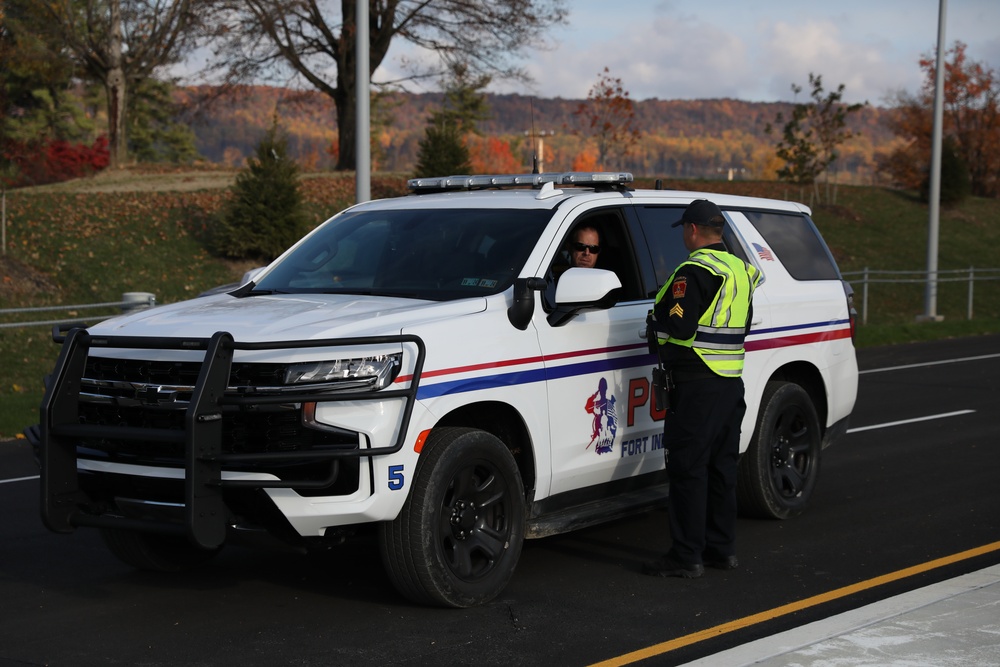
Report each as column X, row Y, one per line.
column 677, row 310
column 679, row 288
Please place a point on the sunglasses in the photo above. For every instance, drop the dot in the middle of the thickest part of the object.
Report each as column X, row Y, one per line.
column 580, row 247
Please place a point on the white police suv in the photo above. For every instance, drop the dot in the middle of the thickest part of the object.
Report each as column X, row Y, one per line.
column 413, row 366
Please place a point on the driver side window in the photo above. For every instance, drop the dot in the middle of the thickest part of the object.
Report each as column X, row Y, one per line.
column 597, row 240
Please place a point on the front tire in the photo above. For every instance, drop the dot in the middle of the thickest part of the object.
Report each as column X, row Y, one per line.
column 458, row 537
column 779, row 470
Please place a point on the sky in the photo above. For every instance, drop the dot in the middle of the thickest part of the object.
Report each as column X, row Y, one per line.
column 751, row 50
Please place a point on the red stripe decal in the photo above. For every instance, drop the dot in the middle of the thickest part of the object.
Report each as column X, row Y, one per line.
column 750, row 346
column 516, row 362
column 801, row 339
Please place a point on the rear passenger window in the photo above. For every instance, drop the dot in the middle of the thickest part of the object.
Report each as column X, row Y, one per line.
column 666, row 243
column 797, row 243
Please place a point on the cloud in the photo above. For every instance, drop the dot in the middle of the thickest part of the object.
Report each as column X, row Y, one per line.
column 668, row 57
column 788, row 53
column 690, row 49
column 681, row 56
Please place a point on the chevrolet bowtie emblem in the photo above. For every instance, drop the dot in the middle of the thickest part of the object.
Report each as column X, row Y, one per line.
column 156, row 395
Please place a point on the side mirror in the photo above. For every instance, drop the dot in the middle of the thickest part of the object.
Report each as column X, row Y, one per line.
column 586, row 286
column 523, row 307
column 583, row 289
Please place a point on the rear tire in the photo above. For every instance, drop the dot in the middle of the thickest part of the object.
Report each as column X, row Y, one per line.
column 154, row 552
column 458, row 537
column 779, row 470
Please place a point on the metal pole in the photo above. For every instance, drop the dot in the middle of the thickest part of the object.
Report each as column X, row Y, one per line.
column 362, row 132
column 3, row 225
column 864, row 300
column 972, row 282
column 930, row 294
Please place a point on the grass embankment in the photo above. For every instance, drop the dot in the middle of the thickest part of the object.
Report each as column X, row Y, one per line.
column 93, row 240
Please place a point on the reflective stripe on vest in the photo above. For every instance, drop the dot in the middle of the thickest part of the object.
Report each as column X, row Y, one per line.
column 718, row 341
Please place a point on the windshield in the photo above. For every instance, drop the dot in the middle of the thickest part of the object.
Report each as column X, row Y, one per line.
column 435, row 254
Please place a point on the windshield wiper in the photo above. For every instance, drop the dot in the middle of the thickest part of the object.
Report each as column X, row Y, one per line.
column 250, row 289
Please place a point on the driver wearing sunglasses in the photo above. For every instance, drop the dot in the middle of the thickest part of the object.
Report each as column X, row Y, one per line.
column 584, row 247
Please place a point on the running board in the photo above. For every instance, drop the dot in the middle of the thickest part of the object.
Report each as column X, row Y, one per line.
column 596, row 512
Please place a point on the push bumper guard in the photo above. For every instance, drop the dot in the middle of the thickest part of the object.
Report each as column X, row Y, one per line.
column 62, row 501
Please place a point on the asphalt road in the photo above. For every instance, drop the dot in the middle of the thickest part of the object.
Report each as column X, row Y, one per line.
column 894, row 494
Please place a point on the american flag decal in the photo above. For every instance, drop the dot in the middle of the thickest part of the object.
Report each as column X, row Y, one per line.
column 763, row 253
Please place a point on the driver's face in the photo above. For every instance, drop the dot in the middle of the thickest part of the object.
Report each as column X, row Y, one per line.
column 581, row 250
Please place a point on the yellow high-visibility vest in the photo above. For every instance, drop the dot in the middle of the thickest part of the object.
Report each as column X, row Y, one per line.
column 718, row 341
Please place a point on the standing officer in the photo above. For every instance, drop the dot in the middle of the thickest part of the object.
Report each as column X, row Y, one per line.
column 701, row 317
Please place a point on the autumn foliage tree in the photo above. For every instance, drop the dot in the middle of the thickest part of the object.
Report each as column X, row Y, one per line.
column 810, row 138
column 971, row 123
column 491, row 155
column 121, row 43
column 608, row 115
column 45, row 135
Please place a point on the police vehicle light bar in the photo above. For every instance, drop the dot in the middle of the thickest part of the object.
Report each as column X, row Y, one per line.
column 577, row 178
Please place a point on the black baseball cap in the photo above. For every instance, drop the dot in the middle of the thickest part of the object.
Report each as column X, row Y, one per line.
column 702, row 212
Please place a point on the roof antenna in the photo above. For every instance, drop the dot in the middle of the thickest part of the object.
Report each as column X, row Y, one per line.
column 534, row 141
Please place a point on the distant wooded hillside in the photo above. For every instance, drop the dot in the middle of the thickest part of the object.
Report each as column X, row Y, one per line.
column 720, row 138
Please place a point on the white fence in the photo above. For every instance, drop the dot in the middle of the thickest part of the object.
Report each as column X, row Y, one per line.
column 131, row 301
column 871, row 277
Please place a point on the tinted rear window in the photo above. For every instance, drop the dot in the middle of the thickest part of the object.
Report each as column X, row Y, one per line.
column 797, row 243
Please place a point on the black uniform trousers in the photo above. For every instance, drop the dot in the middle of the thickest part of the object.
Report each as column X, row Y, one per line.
column 702, row 438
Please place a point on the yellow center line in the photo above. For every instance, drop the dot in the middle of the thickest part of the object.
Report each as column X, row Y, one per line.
column 792, row 607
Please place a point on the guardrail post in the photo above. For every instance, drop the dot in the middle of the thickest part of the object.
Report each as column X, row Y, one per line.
column 864, row 298
column 972, row 272
column 135, row 301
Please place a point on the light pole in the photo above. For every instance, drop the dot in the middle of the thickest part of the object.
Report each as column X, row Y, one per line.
column 362, row 128
column 933, row 223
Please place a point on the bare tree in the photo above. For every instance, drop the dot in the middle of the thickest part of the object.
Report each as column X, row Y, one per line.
column 121, row 42
column 310, row 38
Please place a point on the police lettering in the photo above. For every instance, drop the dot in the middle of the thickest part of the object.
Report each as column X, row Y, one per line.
column 635, row 446
column 639, row 394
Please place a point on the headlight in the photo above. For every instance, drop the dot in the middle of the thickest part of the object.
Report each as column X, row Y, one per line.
column 365, row 373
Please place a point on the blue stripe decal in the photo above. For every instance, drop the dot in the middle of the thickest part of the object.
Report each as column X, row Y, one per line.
column 516, row 378
column 794, row 327
column 536, row 375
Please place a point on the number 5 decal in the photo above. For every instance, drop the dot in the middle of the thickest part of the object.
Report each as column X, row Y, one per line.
column 395, row 478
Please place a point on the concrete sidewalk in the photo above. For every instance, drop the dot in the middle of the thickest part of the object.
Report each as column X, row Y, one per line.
column 955, row 622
